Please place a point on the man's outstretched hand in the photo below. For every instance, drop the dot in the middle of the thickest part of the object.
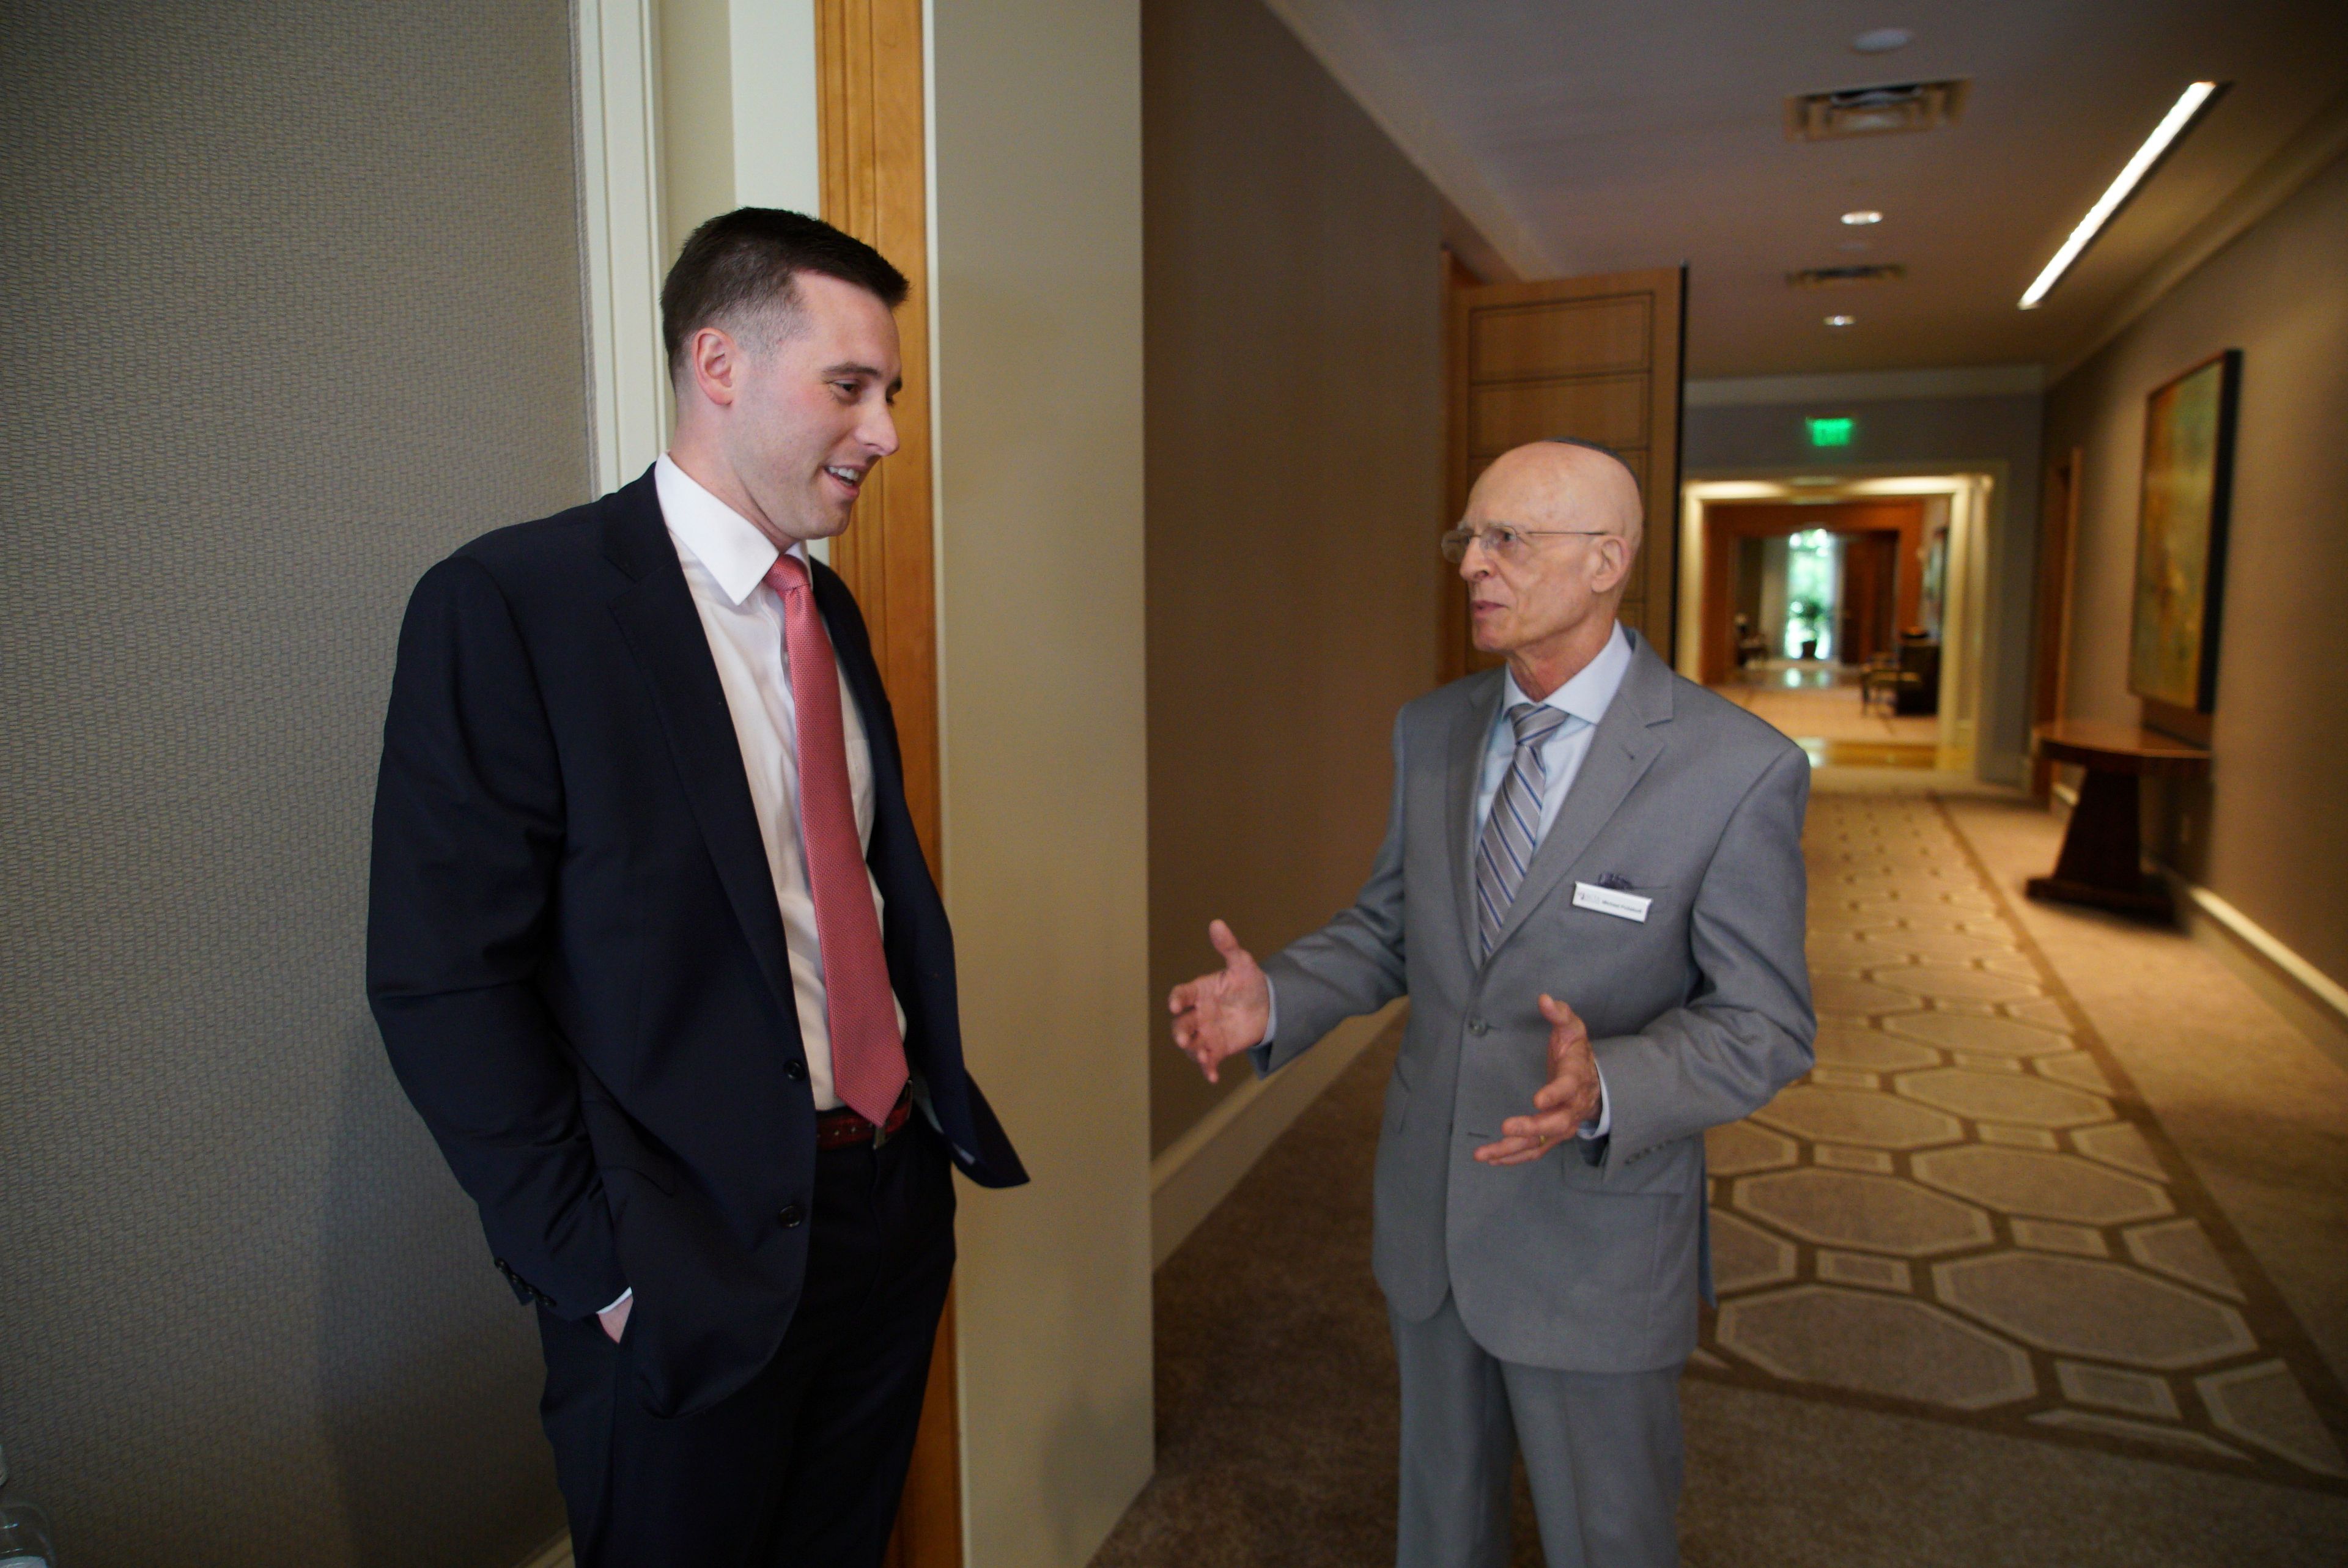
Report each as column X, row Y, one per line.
column 1562, row 1105
column 1224, row 1013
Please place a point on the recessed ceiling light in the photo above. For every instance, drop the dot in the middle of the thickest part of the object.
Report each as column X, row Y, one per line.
column 1882, row 40
column 1862, row 216
column 2172, row 124
column 1842, row 321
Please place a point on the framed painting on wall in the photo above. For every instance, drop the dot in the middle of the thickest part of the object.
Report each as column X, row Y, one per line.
column 2180, row 542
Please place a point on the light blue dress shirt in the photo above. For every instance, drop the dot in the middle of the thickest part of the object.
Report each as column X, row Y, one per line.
column 1585, row 697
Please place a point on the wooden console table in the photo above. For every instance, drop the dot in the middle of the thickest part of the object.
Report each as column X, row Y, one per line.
column 2102, row 862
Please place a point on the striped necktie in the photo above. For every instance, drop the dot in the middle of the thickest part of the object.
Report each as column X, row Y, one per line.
column 1512, row 827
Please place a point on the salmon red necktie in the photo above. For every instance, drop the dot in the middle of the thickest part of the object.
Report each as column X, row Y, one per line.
column 868, row 1055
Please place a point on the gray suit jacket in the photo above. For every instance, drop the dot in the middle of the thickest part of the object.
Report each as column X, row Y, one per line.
column 1592, row 1259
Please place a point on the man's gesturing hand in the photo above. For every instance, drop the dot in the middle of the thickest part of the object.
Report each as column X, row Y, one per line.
column 1221, row 1014
column 1562, row 1105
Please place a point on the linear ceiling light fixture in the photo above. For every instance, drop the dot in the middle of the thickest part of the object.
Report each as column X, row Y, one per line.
column 2164, row 136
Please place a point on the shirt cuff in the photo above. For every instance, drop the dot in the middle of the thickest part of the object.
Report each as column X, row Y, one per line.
column 1272, row 1015
column 616, row 1300
column 1593, row 1131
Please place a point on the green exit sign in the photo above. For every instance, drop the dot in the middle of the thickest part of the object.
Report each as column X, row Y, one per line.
column 1835, row 431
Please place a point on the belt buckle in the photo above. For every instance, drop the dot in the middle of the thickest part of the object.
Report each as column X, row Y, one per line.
column 880, row 1133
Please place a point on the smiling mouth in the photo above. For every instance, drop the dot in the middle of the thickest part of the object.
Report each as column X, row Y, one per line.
column 853, row 479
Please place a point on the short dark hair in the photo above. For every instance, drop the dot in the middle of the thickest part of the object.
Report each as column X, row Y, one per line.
column 750, row 257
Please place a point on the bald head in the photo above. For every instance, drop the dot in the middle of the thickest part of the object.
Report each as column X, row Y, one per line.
column 1562, row 484
column 1546, row 549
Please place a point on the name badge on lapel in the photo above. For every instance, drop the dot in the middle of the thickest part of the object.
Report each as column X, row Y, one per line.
column 1609, row 901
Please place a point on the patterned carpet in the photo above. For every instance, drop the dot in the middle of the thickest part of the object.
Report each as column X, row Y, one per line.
column 1965, row 1211
column 1921, row 1366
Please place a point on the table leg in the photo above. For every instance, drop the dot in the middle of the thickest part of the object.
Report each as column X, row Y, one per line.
column 2102, row 863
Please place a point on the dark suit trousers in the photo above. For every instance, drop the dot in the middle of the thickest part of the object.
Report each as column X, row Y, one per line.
column 803, row 1468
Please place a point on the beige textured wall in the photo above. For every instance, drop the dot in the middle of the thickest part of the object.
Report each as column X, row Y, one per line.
column 1038, row 139
column 1295, row 423
column 292, row 311
column 2267, row 832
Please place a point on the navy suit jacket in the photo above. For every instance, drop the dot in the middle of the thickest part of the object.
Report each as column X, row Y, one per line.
column 575, row 955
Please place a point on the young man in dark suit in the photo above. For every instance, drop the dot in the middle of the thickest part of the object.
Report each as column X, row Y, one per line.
column 655, row 953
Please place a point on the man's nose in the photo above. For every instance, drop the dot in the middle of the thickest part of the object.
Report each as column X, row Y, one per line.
column 880, row 431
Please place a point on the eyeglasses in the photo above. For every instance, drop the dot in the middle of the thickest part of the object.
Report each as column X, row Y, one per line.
column 1506, row 541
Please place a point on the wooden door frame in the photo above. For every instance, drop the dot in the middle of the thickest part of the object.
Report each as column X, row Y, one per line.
column 875, row 162
column 1976, row 491
column 2058, row 551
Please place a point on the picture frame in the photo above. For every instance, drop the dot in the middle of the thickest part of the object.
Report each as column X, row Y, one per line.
column 2181, row 528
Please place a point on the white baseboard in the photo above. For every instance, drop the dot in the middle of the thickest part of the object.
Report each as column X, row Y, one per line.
column 556, row 1553
column 1199, row 1170
column 2315, row 1003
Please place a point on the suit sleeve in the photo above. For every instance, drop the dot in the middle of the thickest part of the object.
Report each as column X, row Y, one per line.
column 1352, row 966
column 1747, row 1029
column 468, row 833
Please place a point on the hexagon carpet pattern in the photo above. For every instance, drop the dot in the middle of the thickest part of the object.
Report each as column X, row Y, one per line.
column 1965, row 1211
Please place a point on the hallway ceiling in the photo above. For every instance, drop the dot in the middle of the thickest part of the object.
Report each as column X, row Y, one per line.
column 1586, row 137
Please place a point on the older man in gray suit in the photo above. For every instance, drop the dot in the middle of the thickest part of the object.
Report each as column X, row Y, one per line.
column 1591, row 891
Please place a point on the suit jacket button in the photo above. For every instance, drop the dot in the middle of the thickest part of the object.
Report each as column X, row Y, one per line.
column 1478, row 1026
column 792, row 1216
column 794, row 1069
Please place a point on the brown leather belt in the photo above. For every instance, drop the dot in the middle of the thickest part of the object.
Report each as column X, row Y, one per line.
column 838, row 1128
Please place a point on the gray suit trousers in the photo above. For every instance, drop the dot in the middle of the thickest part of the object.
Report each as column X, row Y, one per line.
column 1602, row 1452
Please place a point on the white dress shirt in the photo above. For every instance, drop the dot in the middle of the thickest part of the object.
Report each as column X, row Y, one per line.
column 725, row 560
column 1587, row 697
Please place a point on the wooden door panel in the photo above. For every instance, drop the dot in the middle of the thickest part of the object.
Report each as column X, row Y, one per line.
column 1594, row 359
column 1571, row 337
column 1611, row 410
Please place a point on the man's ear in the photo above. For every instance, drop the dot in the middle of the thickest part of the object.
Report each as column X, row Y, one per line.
column 1614, row 554
column 713, row 363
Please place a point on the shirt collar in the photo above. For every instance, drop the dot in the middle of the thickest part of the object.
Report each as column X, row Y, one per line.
column 736, row 555
column 1591, row 691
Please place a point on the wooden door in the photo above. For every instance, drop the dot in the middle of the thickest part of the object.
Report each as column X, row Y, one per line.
column 1597, row 359
column 1870, row 578
column 870, row 84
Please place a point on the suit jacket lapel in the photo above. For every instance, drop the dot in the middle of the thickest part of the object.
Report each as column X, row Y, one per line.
column 664, row 630
column 851, row 650
column 1470, row 728
column 1623, row 746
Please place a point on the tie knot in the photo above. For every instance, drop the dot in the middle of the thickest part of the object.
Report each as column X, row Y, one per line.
column 788, row 573
column 1536, row 721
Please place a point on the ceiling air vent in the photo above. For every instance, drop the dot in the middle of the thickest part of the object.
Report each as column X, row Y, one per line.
column 1871, row 111
column 1843, row 277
